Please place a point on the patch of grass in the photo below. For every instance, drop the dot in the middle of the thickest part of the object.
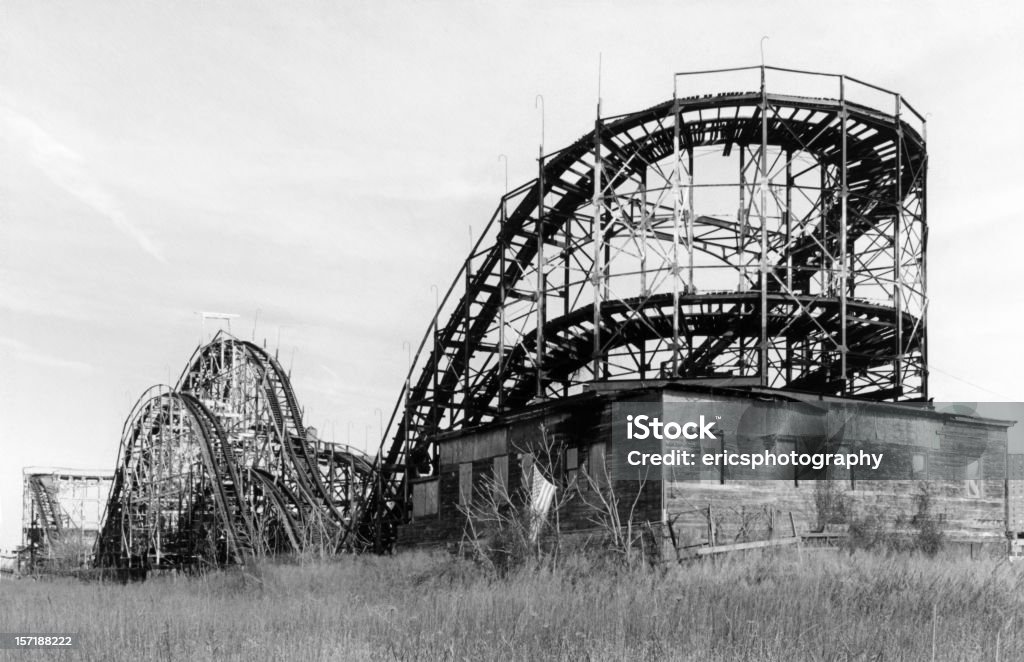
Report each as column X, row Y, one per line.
column 419, row 606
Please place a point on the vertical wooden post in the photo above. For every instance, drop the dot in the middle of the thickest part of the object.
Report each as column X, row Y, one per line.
column 597, row 232
column 676, row 230
column 763, row 268
column 712, row 533
column 541, row 274
column 897, row 258
column 843, row 232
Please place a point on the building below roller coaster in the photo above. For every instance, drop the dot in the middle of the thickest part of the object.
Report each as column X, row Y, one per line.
column 767, row 244
column 759, row 250
column 929, row 467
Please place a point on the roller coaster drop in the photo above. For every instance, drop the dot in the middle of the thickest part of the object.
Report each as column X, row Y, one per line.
column 221, row 467
column 803, row 269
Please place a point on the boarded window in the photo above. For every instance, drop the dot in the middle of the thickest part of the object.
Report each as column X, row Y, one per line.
column 919, row 466
column 572, row 463
column 842, row 473
column 526, row 465
column 598, row 466
column 424, row 499
column 972, row 484
column 786, row 470
column 466, row 484
column 501, row 473
column 709, row 448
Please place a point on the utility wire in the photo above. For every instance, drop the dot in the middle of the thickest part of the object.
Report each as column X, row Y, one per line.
column 932, row 366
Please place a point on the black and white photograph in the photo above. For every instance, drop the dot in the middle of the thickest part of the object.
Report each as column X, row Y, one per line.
column 511, row 330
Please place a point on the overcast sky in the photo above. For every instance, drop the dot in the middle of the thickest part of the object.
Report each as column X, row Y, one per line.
column 320, row 163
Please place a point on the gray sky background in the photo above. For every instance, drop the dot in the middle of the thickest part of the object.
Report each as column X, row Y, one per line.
column 320, row 163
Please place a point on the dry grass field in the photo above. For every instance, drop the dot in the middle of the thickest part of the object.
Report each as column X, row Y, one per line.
column 417, row 606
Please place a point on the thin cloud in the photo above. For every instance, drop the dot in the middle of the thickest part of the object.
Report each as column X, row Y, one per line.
column 67, row 169
column 23, row 352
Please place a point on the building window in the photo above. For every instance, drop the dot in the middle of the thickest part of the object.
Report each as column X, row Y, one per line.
column 466, row 484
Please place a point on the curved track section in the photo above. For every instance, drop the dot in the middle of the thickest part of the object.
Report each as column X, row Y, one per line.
column 220, row 468
column 760, row 235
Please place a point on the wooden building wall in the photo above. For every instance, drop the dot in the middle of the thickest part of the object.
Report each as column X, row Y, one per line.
column 749, row 510
column 959, row 461
column 561, row 441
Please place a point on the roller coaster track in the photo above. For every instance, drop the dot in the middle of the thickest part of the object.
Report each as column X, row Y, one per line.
column 220, row 468
column 602, row 268
column 831, row 196
column 47, row 507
